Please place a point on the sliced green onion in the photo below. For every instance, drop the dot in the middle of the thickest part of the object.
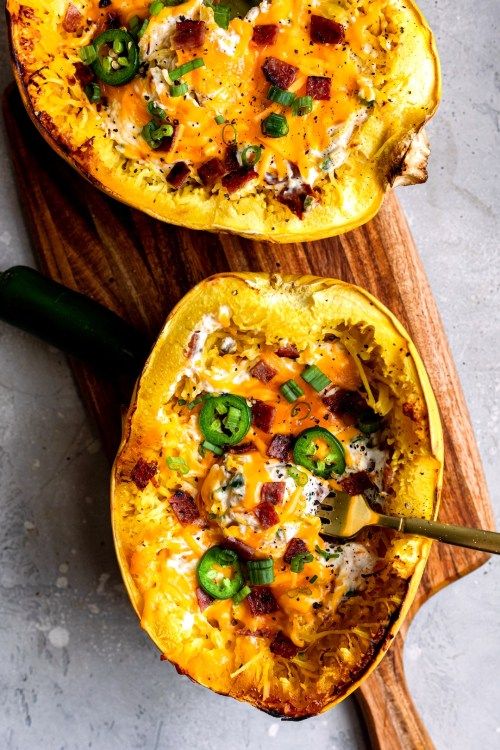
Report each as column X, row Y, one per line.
column 298, row 561
column 299, row 477
column 326, row 555
column 280, row 96
column 242, row 594
column 179, row 89
column 260, row 572
column 315, row 377
column 177, row 464
column 156, row 111
column 251, row 155
column 219, row 119
column 88, row 54
column 177, row 73
column 291, row 390
column 302, row 105
column 313, row 579
column 262, row 564
column 326, row 164
column 229, row 129
column 195, row 402
column 143, row 28
column 93, row 92
column 208, row 446
column 222, row 15
column 274, row 125
column 134, row 25
column 155, row 8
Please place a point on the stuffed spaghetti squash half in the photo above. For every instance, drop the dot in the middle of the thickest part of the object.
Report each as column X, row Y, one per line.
column 284, row 121
column 263, row 396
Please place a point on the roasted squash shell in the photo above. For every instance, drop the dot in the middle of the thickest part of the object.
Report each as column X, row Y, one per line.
column 398, row 93
column 342, row 644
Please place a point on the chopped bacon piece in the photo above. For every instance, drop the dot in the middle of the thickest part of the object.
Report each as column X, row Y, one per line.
column 325, row 31
column 355, row 484
column 72, row 20
column 294, row 547
column 345, row 402
column 241, row 548
column 280, row 447
column 204, row 599
column 192, row 344
column 143, row 472
column 261, row 601
column 288, row 350
column 84, row 73
column 178, row 174
column 272, row 492
column 263, row 372
column 231, row 162
column 236, row 179
column 318, row 87
column 280, row 73
column 266, row 515
column 265, row 34
column 184, row 507
column 211, row 171
column 296, row 198
column 262, row 415
column 283, row 646
column 189, row 34
column 249, row 447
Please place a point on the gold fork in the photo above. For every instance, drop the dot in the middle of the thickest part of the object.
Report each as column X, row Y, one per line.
column 343, row 516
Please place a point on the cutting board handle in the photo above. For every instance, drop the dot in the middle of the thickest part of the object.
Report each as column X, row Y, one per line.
column 390, row 715
column 70, row 321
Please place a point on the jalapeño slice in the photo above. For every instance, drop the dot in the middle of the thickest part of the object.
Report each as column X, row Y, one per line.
column 225, row 419
column 319, row 451
column 219, row 573
column 112, row 67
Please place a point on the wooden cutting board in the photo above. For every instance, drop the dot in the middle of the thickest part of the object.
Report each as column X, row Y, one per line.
column 140, row 267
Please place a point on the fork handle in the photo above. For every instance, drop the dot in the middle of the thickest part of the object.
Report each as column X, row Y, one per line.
column 461, row 536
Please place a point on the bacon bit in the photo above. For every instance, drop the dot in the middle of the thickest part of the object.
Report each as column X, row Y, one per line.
column 280, row 446
column 249, row 447
column 295, row 198
column 84, row 74
column 211, row 171
column 272, row 492
column 265, row 34
column 231, row 162
column 294, row 547
column 72, row 20
column 261, row 601
column 280, row 73
column 263, row 372
column 355, row 484
column 143, row 472
column 262, row 415
column 238, row 178
column 241, row 548
column 259, row 633
column 345, row 402
column 325, row 31
column 318, row 87
column 288, row 350
column 184, row 507
column 204, row 599
column 283, row 646
column 178, row 174
column 266, row 515
column 189, row 34
column 192, row 344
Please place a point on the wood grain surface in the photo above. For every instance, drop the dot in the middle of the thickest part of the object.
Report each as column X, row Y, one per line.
column 140, row 267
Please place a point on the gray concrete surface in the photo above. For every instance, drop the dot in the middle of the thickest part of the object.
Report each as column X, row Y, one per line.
column 75, row 670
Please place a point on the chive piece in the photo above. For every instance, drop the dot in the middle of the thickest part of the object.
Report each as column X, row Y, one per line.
column 229, row 129
column 134, row 25
column 298, row 561
column 195, row 402
column 179, row 89
column 326, row 555
column 315, row 377
column 299, row 477
column 156, row 111
column 280, row 96
column 260, row 572
column 176, row 463
column 242, row 594
column 251, row 155
column 313, row 579
column 274, row 126
column 207, row 445
column 155, row 8
column 93, row 92
column 222, row 15
column 302, row 106
column 266, row 562
column 219, row 119
column 88, row 54
column 291, row 390
column 143, row 28
column 327, row 164
column 177, row 73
